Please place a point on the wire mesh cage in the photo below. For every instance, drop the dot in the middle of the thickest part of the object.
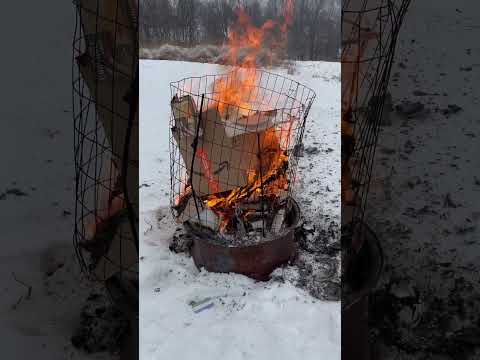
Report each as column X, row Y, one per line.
column 105, row 102
column 234, row 146
column 369, row 34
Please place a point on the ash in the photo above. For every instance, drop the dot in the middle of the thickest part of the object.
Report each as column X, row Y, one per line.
column 316, row 267
column 101, row 328
column 238, row 241
column 183, row 238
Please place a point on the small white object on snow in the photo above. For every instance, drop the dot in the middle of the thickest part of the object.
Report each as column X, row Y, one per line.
column 199, row 306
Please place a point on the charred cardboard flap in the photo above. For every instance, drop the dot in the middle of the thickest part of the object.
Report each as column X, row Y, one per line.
column 121, row 256
column 222, row 163
column 189, row 211
column 186, row 115
column 256, row 121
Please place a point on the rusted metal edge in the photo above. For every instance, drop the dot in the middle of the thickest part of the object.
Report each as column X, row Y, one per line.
column 373, row 254
column 255, row 261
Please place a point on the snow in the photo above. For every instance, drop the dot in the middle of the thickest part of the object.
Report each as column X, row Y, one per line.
column 37, row 158
column 248, row 320
column 424, row 159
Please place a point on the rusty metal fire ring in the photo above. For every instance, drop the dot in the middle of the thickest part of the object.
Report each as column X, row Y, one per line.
column 255, row 261
column 371, row 262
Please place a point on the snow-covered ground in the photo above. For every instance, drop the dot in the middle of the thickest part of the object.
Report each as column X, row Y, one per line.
column 427, row 216
column 37, row 190
column 248, row 320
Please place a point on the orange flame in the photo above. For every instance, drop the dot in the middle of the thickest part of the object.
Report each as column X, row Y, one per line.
column 206, row 166
column 234, row 93
column 268, row 179
column 246, row 39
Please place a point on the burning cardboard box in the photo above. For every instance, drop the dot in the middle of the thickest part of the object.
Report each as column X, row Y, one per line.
column 233, row 150
column 223, row 164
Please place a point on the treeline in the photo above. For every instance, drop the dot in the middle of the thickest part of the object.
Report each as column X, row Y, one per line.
column 313, row 35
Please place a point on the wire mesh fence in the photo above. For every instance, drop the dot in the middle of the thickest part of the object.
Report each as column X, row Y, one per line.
column 234, row 146
column 105, row 101
column 369, row 34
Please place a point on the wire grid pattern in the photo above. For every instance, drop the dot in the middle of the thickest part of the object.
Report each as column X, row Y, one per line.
column 369, row 34
column 105, row 103
column 249, row 149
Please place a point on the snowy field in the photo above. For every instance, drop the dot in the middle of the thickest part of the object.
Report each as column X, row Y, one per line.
column 248, row 320
column 37, row 188
column 427, row 214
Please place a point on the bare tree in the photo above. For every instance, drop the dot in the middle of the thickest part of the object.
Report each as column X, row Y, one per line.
column 313, row 35
column 254, row 11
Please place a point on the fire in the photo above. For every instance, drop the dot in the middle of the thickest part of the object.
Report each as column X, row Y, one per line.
column 266, row 182
column 233, row 93
column 267, row 186
column 206, row 165
column 245, row 43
